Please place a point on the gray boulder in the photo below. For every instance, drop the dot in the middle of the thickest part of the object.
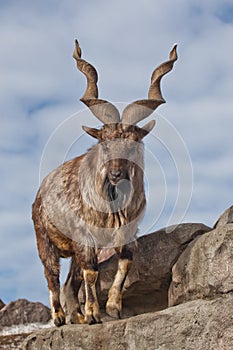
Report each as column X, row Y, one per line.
column 23, row 311
column 198, row 324
column 146, row 287
column 225, row 218
column 205, row 268
column 189, row 266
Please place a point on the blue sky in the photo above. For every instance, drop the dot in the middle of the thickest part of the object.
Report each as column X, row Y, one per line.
column 40, row 89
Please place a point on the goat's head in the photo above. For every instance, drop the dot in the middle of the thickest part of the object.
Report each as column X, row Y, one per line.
column 120, row 139
column 119, row 148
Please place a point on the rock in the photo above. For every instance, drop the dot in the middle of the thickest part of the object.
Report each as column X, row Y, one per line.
column 204, row 269
column 189, row 266
column 195, row 261
column 1, row 304
column 199, row 324
column 225, row 218
column 146, row 287
column 22, row 311
column 12, row 342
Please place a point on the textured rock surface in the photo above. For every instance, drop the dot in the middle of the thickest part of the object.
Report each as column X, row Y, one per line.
column 22, row 311
column 199, row 324
column 12, row 342
column 225, row 218
column 1, row 304
column 196, row 262
column 146, row 286
column 205, row 268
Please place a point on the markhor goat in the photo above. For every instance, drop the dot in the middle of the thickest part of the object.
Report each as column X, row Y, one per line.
column 96, row 200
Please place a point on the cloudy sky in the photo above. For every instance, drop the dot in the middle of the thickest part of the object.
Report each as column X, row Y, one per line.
column 189, row 151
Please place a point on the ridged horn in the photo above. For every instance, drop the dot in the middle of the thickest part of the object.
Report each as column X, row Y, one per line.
column 103, row 110
column 141, row 109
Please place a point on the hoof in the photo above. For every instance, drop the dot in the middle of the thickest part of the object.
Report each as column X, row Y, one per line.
column 75, row 318
column 80, row 319
column 59, row 319
column 113, row 311
column 90, row 319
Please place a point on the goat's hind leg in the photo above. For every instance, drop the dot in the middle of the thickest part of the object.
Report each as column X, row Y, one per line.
column 69, row 294
column 50, row 258
column 52, row 276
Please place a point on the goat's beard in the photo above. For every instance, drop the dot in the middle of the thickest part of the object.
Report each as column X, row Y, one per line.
column 119, row 196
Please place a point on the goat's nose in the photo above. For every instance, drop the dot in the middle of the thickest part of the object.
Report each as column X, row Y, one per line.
column 116, row 173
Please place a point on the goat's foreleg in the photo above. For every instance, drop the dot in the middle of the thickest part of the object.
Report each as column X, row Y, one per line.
column 114, row 303
column 92, row 311
column 88, row 259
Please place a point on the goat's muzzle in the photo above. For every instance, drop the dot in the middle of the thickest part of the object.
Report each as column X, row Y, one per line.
column 115, row 175
column 117, row 171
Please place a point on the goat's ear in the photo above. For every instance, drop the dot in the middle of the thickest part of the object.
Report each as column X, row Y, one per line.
column 147, row 128
column 92, row 131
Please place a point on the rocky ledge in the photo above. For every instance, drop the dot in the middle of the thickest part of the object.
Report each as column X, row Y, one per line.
column 186, row 271
column 198, row 324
